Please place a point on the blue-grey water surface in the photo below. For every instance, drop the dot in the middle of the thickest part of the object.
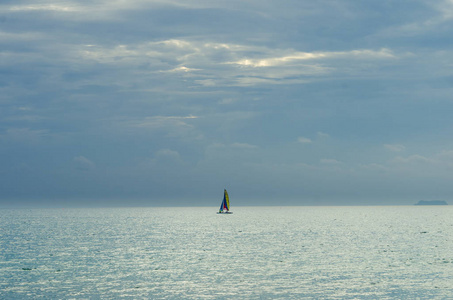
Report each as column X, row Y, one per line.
column 385, row 252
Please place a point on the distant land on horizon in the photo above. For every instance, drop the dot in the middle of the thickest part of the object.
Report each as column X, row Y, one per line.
column 432, row 202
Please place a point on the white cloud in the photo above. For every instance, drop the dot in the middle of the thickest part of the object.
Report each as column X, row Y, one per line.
column 300, row 56
column 183, row 69
column 394, row 147
column 252, row 81
column 117, row 54
column 243, row 146
column 414, row 159
column 83, row 163
column 437, row 14
column 276, row 61
column 323, row 135
column 319, row 137
column 304, row 140
column 445, row 7
column 92, row 10
column 330, row 161
column 44, row 7
column 161, row 121
column 208, row 82
column 373, row 167
column 216, row 64
column 436, row 165
column 168, row 154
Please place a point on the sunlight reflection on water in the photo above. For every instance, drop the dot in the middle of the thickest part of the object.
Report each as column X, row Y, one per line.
column 270, row 252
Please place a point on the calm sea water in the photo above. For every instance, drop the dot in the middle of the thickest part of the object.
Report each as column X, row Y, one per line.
column 401, row 252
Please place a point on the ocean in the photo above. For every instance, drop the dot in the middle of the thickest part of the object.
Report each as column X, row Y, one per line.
column 369, row 252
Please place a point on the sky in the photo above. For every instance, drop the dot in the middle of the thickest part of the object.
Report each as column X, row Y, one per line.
column 162, row 103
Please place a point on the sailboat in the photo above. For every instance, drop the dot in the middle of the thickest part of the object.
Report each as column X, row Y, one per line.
column 225, row 205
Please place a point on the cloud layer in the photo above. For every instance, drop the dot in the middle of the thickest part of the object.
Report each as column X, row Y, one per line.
column 153, row 102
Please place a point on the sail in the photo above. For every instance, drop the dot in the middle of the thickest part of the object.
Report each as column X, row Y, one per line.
column 225, row 205
column 227, row 200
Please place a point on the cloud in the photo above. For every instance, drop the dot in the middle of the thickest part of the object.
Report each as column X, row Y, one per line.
column 304, row 140
column 183, row 69
column 168, row 154
column 446, row 8
column 301, row 56
column 232, row 147
column 322, row 134
column 157, row 122
column 414, row 159
column 330, row 161
column 84, row 164
column 243, row 146
column 209, row 60
column 227, row 156
column 272, row 62
column 435, row 165
column 180, row 127
column 416, row 165
column 395, row 147
column 96, row 10
column 44, row 7
column 374, row 167
column 204, row 93
column 24, row 135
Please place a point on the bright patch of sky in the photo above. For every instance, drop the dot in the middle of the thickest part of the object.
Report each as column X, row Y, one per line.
column 158, row 102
